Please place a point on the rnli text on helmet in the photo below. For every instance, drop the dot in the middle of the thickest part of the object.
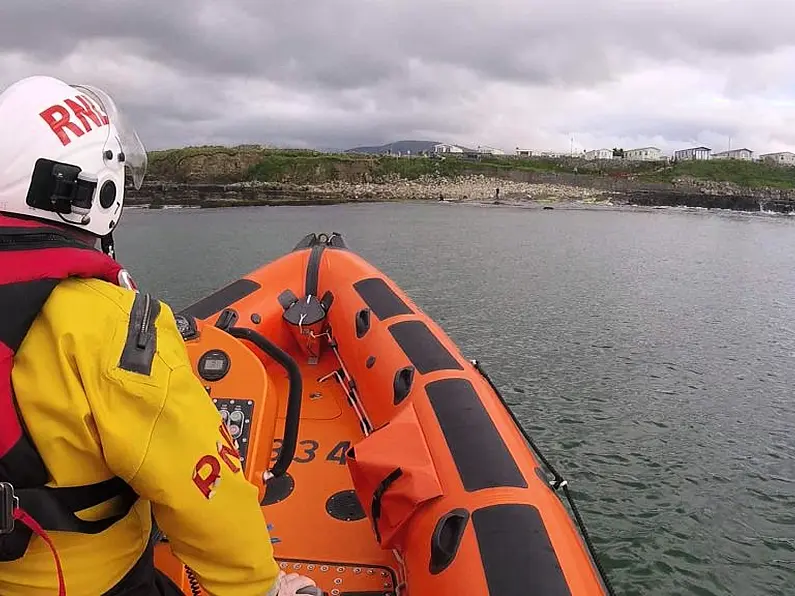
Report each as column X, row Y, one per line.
column 59, row 118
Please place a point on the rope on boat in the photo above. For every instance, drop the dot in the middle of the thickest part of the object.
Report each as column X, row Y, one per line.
column 559, row 481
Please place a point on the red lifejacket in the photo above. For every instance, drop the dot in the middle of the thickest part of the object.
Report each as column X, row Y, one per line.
column 34, row 258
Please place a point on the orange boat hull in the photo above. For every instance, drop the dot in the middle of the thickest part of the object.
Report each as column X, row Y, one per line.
column 409, row 475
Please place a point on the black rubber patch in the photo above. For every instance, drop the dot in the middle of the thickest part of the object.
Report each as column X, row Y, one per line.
column 480, row 454
column 345, row 506
column 422, row 347
column 381, row 299
column 370, row 362
column 517, row 555
column 287, row 298
column 313, row 270
column 141, row 342
column 306, row 311
column 217, row 301
column 278, row 489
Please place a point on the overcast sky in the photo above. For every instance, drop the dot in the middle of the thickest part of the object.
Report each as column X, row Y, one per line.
column 504, row 73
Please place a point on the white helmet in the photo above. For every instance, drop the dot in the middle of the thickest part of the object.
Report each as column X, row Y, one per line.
column 63, row 150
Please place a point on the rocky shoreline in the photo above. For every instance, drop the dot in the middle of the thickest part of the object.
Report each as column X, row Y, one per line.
column 464, row 189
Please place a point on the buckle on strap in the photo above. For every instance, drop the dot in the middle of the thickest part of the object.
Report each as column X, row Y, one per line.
column 8, row 503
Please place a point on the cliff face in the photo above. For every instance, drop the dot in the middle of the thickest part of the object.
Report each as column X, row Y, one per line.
column 214, row 165
column 201, row 165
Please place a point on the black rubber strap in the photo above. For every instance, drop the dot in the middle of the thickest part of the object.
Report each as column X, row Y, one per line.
column 313, row 270
column 54, row 508
column 379, row 491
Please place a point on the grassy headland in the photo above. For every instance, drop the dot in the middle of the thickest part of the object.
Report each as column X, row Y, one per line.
column 212, row 176
column 228, row 165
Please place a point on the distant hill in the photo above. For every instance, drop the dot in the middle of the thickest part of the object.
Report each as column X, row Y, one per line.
column 398, row 147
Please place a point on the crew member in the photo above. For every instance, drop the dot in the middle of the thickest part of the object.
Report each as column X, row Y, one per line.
column 98, row 400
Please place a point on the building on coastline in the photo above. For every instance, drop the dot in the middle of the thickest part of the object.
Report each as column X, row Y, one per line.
column 744, row 154
column 784, row 158
column 486, row 150
column 524, row 152
column 446, row 148
column 644, row 154
column 598, row 154
column 693, row 153
column 552, row 154
column 481, row 152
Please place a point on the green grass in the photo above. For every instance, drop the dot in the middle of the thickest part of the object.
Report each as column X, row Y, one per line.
column 299, row 169
column 743, row 173
column 413, row 168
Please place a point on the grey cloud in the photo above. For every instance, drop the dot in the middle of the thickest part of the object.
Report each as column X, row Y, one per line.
column 380, row 70
column 342, row 129
column 349, row 43
column 675, row 126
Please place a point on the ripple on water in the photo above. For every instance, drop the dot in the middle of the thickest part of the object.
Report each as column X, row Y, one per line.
column 675, row 431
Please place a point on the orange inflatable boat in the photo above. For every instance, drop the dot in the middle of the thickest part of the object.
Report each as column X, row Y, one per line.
column 366, row 429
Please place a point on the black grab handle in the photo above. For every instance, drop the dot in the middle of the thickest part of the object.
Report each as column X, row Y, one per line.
column 446, row 539
column 293, row 417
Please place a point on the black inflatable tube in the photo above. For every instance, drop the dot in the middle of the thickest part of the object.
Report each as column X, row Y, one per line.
column 293, row 416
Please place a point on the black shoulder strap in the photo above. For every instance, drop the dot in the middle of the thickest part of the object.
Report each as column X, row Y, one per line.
column 55, row 508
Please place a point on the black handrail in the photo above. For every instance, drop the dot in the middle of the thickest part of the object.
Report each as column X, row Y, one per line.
column 293, row 416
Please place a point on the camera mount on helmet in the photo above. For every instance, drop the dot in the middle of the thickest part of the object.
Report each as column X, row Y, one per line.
column 62, row 188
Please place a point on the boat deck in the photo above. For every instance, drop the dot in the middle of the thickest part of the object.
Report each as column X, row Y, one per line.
column 317, row 524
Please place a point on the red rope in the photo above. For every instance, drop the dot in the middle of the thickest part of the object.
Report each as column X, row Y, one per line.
column 25, row 518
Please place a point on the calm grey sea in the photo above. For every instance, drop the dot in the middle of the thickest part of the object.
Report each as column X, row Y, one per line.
column 649, row 353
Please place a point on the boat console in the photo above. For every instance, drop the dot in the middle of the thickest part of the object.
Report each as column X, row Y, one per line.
column 238, row 385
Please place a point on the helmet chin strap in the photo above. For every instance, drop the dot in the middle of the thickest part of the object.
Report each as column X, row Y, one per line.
column 108, row 246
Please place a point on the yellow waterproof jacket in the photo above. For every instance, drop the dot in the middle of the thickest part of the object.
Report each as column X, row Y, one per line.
column 91, row 418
